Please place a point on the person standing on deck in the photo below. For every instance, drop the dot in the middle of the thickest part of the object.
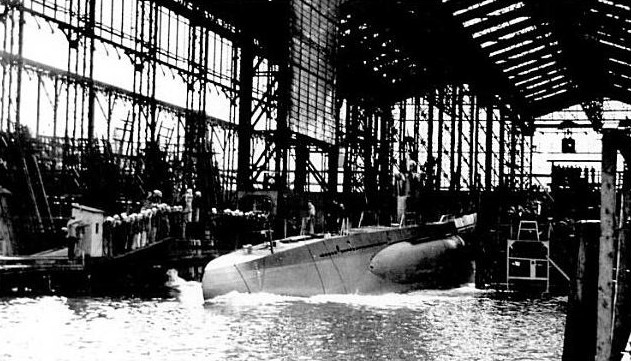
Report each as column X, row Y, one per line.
column 311, row 219
column 72, row 236
column 342, row 220
column 117, row 235
column 157, row 197
column 197, row 206
column 134, row 221
column 148, row 202
column 108, row 228
column 188, row 205
column 126, row 231
column 154, row 225
column 197, row 232
column 188, row 213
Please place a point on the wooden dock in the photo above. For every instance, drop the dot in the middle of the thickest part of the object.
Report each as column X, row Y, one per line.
column 140, row 271
column 41, row 273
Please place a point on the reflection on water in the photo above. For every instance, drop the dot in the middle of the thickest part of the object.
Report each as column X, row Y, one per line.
column 462, row 324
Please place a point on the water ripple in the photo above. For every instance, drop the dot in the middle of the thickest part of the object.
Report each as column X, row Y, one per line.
column 463, row 324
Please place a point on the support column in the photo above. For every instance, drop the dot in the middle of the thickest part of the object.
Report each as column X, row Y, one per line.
column 385, row 165
column 20, row 66
column 513, row 154
column 39, row 102
column 370, row 172
column 154, row 36
column 417, row 130
column 403, row 146
column 452, row 145
column 473, row 142
column 488, row 160
column 246, row 76
column 91, row 91
column 522, row 143
column 439, row 157
column 282, row 125
column 502, row 150
column 384, row 151
column 459, row 119
column 606, row 248
column 334, row 154
column 431, row 162
column 300, row 174
column 351, row 136
column 530, row 150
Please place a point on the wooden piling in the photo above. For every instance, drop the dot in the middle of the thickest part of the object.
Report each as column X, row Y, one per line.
column 622, row 304
column 604, row 307
column 580, row 326
column 602, row 334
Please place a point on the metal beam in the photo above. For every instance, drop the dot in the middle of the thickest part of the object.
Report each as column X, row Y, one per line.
column 18, row 95
column 92, row 93
column 513, row 154
column 482, row 9
column 431, row 162
column 473, row 143
column 385, row 161
column 489, row 22
column 460, row 119
column 499, row 45
column 488, row 150
column 246, row 77
column 371, row 185
column 594, row 111
column 452, row 139
column 503, row 117
column 439, row 157
column 300, row 173
column 334, row 153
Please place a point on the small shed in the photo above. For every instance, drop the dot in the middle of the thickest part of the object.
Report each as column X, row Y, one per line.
column 91, row 239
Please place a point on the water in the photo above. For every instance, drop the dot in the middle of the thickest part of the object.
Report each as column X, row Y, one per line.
column 461, row 324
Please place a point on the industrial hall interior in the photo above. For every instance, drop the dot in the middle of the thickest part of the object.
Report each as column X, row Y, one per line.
column 138, row 136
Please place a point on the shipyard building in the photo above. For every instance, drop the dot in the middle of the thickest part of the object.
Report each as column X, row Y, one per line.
column 161, row 134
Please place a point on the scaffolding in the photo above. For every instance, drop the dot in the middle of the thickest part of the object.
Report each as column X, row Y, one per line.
column 173, row 95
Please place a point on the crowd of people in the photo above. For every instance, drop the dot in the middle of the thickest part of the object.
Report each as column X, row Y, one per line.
column 334, row 219
column 125, row 232
column 153, row 222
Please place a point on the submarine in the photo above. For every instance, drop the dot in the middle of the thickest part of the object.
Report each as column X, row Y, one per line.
column 366, row 260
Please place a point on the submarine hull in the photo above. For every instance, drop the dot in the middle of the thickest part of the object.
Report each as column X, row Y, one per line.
column 376, row 260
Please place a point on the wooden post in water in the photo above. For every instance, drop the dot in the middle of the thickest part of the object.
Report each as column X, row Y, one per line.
column 580, row 326
column 604, row 307
column 622, row 304
column 594, row 288
column 622, row 295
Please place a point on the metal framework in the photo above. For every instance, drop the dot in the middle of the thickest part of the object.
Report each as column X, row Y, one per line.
column 321, row 96
column 75, row 110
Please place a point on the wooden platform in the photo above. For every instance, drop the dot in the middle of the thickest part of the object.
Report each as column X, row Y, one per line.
column 40, row 274
column 39, row 263
column 139, row 271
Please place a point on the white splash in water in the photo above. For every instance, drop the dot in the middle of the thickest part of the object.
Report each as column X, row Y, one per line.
column 186, row 292
column 389, row 300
